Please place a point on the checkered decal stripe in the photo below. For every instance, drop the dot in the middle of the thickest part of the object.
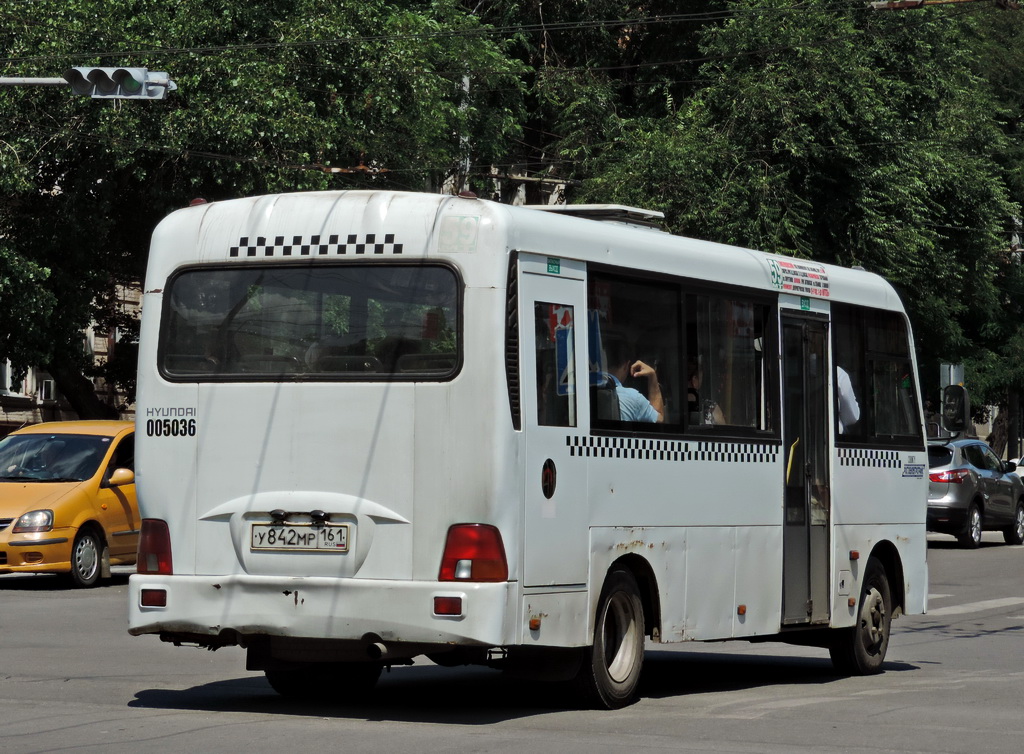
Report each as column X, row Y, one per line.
column 301, row 246
column 671, row 450
column 878, row 459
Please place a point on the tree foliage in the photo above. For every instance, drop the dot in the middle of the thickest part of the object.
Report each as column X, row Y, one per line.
column 817, row 128
column 272, row 96
column 845, row 135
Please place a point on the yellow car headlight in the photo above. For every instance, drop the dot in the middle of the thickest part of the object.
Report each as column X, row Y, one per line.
column 33, row 521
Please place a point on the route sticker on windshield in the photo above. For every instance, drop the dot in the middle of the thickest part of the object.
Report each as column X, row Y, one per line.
column 798, row 276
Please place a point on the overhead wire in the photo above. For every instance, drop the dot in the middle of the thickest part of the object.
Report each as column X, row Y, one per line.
column 477, row 31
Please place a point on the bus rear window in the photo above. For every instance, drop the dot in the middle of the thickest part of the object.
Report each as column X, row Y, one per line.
column 322, row 322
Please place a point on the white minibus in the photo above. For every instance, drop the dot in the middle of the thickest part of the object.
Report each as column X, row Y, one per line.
column 375, row 426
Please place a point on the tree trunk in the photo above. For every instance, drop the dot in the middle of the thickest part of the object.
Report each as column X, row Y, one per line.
column 80, row 392
column 998, row 437
column 1013, row 423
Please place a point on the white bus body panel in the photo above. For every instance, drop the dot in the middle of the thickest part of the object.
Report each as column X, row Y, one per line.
column 401, row 462
column 390, row 459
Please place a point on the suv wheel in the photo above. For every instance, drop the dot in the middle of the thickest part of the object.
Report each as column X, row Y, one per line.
column 1014, row 533
column 971, row 536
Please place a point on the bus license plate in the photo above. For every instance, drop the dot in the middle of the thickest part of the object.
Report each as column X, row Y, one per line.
column 333, row 537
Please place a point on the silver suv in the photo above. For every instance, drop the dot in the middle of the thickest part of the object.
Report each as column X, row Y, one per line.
column 971, row 490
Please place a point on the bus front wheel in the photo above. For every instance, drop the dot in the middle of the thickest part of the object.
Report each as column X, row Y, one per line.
column 860, row 650
column 610, row 671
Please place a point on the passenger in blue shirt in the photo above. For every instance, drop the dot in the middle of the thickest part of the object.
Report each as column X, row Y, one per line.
column 633, row 405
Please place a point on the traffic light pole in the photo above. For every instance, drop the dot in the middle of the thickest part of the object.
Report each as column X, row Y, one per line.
column 32, row 82
column 106, row 83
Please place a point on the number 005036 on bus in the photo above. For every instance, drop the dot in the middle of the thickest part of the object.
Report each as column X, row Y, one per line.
column 300, row 537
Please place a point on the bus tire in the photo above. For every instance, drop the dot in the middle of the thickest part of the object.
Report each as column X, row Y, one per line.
column 860, row 650
column 610, row 672
column 326, row 682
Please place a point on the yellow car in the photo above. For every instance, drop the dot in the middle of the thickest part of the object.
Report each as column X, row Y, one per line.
column 67, row 499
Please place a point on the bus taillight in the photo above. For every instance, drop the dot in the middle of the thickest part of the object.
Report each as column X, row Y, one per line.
column 473, row 552
column 155, row 548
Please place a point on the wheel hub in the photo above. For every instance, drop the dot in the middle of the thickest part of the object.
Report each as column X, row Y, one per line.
column 621, row 637
column 872, row 617
column 86, row 558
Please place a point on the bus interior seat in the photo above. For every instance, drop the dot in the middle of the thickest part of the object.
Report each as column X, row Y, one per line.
column 604, row 402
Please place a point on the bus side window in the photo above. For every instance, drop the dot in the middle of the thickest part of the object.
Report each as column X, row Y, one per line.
column 634, row 347
column 871, row 354
column 555, row 332
column 728, row 377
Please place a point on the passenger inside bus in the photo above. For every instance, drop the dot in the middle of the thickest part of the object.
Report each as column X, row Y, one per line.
column 634, row 406
column 707, row 412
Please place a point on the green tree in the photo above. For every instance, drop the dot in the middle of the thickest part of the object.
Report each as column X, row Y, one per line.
column 841, row 134
column 272, row 96
column 594, row 65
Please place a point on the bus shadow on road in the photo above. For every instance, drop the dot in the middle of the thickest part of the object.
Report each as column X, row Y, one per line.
column 669, row 674
column 467, row 696
column 480, row 696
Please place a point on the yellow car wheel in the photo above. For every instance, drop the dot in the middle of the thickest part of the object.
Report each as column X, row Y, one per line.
column 86, row 558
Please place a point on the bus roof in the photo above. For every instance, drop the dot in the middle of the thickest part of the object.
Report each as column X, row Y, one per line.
column 385, row 224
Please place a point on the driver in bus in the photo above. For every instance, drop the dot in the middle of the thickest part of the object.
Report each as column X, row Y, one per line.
column 634, row 406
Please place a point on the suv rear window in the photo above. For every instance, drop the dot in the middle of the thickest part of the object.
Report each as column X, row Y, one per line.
column 311, row 322
column 939, row 455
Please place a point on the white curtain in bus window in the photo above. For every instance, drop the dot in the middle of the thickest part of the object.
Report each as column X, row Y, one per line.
column 555, row 343
column 726, row 367
column 312, row 322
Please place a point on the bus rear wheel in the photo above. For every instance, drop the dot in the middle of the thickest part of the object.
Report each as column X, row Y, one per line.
column 610, row 671
column 861, row 650
column 326, row 682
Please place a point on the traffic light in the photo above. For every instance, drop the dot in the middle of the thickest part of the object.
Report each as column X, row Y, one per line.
column 119, row 83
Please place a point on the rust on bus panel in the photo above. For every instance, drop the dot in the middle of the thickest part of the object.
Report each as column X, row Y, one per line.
column 636, row 544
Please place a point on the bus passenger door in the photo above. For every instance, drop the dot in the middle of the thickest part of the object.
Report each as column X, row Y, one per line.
column 807, row 498
column 552, row 325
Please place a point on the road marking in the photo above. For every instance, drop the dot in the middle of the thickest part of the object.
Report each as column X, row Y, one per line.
column 976, row 607
column 938, row 596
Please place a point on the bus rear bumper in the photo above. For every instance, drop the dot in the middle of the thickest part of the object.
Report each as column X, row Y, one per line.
column 224, row 610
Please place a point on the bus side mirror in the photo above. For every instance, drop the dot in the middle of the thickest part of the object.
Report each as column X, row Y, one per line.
column 956, row 408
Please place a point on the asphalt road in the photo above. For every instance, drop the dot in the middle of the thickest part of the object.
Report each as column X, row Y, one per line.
column 72, row 680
